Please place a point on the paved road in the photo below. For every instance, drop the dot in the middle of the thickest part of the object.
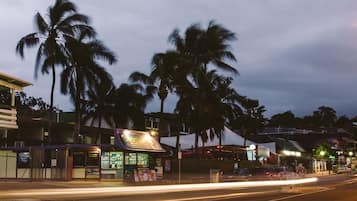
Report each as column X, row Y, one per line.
column 334, row 188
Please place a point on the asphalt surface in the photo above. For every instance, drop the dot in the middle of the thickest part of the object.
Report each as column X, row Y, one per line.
column 334, row 188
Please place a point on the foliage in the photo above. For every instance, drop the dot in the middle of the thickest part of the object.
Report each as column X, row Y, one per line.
column 61, row 21
column 251, row 120
column 286, row 119
column 323, row 151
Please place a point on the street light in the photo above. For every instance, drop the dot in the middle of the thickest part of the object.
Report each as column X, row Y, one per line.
column 252, row 148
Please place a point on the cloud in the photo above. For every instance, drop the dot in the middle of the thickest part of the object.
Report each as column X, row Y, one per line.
column 292, row 55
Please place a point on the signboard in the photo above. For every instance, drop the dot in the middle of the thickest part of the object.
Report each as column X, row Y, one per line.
column 179, row 155
column 137, row 140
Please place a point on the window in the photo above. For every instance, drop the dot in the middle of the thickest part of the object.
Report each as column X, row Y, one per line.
column 116, row 160
column 78, row 159
column 112, row 140
column 143, row 160
column 93, row 159
column 105, row 160
column 130, row 159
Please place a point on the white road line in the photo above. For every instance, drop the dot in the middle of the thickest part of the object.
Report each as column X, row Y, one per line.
column 218, row 197
column 299, row 195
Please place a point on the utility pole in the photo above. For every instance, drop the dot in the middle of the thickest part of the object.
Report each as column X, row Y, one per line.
column 179, row 157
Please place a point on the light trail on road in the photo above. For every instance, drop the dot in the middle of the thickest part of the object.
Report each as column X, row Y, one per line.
column 135, row 190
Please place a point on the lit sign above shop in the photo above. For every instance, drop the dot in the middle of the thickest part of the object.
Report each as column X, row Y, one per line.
column 291, row 153
column 138, row 140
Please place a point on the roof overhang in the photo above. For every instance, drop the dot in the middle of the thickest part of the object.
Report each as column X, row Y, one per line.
column 13, row 82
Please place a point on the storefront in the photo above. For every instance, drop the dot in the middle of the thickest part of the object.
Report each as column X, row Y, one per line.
column 130, row 157
column 127, row 158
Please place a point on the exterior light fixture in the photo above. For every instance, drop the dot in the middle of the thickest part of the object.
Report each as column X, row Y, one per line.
column 252, row 147
column 126, row 132
column 153, row 133
column 350, row 153
column 291, row 153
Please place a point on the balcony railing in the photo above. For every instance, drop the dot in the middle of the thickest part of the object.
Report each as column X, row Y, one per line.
column 8, row 117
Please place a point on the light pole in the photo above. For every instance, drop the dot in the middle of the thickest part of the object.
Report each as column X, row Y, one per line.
column 179, row 157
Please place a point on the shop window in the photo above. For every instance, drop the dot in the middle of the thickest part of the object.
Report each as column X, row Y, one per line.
column 112, row 140
column 93, row 159
column 105, row 160
column 116, row 160
column 130, row 159
column 78, row 159
column 143, row 160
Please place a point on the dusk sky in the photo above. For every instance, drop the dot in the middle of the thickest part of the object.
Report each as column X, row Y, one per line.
column 292, row 55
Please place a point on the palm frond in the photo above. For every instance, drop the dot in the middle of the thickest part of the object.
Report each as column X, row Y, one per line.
column 29, row 40
column 41, row 24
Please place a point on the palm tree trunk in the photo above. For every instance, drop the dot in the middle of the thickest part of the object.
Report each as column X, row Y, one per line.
column 177, row 141
column 99, row 136
column 196, row 141
column 162, row 106
column 160, row 119
column 51, row 104
column 77, row 110
column 220, row 142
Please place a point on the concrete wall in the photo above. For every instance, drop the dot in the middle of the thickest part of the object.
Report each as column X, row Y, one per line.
column 7, row 164
column 79, row 173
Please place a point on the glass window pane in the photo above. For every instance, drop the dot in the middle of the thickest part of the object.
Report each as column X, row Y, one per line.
column 130, row 159
column 105, row 160
column 78, row 159
column 116, row 160
column 93, row 159
column 143, row 160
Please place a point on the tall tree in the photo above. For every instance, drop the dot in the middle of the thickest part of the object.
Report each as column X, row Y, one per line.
column 326, row 116
column 161, row 77
column 99, row 106
column 196, row 50
column 251, row 120
column 208, row 105
column 60, row 21
column 84, row 70
column 200, row 47
column 129, row 105
column 286, row 119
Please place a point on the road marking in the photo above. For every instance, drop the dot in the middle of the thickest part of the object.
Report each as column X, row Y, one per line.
column 217, row 197
column 299, row 195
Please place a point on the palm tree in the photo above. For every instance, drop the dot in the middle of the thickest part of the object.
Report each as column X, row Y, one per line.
column 251, row 120
column 84, row 69
column 197, row 49
column 129, row 105
column 161, row 75
column 99, row 105
column 208, row 105
column 62, row 20
column 200, row 47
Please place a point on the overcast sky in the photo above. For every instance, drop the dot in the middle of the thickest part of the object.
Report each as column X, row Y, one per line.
column 292, row 55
